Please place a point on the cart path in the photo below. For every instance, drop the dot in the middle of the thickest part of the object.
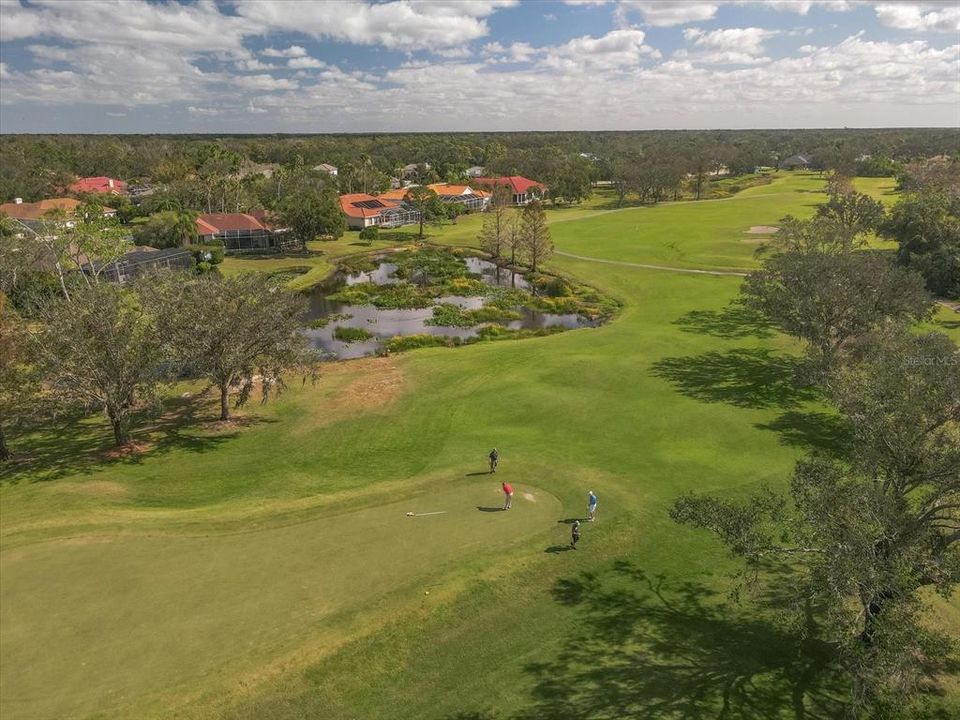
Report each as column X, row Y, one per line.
column 643, row 266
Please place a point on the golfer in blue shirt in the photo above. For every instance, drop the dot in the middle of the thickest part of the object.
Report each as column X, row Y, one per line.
column 591, row 505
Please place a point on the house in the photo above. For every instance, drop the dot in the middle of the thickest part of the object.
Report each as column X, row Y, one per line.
column 364, row 211
column 411, row 171
column 795, row 161
column 475, row 171
column 326, row 168
column 473, row 199
column 252, row 169
column 99, row 184
column 522, row 189
column 35, row 211
column 143, row 259
column 239, row 232
column 448, row 193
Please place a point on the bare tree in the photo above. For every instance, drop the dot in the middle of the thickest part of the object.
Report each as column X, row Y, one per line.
column 494, row 233
column 534, row 235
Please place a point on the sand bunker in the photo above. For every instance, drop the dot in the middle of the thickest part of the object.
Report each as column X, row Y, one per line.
column 762, row 230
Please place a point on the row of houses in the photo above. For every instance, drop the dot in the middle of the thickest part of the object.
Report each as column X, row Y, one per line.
column 392, row 208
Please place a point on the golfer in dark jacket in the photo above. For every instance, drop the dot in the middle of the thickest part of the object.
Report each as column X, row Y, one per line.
column 494, row 459
column 574, row 534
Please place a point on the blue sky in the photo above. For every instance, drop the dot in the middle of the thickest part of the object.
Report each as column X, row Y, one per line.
column 448, row 65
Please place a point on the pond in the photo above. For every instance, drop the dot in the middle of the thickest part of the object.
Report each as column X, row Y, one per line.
column 384, row 324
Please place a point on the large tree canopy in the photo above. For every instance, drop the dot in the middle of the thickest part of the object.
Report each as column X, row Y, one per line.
column 866, row 533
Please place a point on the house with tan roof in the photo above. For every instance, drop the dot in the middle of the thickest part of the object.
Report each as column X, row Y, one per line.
column 365, row 211
column 32, row 213
column 447, row 192
column 239, row 232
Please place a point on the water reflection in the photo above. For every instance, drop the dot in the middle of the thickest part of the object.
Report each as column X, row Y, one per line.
column 385, row 324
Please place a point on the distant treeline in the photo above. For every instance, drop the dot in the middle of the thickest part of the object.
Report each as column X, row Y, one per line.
column 35, row 166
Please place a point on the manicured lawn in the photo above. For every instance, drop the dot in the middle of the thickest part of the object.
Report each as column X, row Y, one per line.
column 267, row 569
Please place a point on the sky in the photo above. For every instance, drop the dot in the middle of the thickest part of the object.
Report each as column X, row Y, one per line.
column 256, row 66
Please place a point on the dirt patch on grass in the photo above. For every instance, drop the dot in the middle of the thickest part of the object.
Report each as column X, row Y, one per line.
column 130, row 449
column 762, row 230
column 379, row 384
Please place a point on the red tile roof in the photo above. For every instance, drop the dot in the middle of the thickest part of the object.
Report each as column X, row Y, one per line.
column 36, row 210
column 220, row 222
column 99, row 185
column 518, row 184
column 361, row 205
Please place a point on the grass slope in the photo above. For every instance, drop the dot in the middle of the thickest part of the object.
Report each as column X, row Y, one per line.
column 267, row 569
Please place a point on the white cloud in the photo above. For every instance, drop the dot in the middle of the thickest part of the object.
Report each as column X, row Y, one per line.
column 264, row 82
column 744, row 40
column 615, row 50
column 802, row 7
column 519, row 52
column 203, row 111
column 401, row 24
column 253, row 65
column 200, row 27
column 665, row 13
column 922, row 17
column 294, row 51
column 305, row 62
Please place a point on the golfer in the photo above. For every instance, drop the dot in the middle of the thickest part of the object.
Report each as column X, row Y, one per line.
column 591, row 505
column 574, row 534
column 494, row 459
column 507, row 495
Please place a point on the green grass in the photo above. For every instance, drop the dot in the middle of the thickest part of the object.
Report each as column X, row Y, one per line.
column 267, row 569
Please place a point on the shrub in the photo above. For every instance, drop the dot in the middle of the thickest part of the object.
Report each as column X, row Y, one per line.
column 351, row 334
column 370, row 234
column 412, row 342
column 212, row 254
column 354, row 264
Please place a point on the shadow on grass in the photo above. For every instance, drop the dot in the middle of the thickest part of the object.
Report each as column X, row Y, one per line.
column 648, row 648
column 811, row 430
column 734, row 321
column 474, row 474
column 749, row 378
column 81, row 444
column 481, row 508
column 571, row 521
column 556, row 549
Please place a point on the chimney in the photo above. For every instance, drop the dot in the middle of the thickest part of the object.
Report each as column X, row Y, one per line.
column 110, row 182
column 18, row 201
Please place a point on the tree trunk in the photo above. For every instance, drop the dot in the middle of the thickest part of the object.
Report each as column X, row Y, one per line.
column 224, row 402
column 421, row 224
column 5, row 453
column 120, row 435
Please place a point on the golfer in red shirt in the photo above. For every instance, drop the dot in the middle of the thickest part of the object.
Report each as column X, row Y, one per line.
column 508, row 495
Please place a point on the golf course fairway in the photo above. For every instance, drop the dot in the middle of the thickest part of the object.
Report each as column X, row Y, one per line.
column 219, row 604
column 267, row 568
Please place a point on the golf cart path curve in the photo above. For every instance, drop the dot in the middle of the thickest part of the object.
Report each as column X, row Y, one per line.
column 666, row 268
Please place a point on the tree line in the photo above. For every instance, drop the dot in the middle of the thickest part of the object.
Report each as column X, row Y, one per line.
column 870, row 526
column 37, row 166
